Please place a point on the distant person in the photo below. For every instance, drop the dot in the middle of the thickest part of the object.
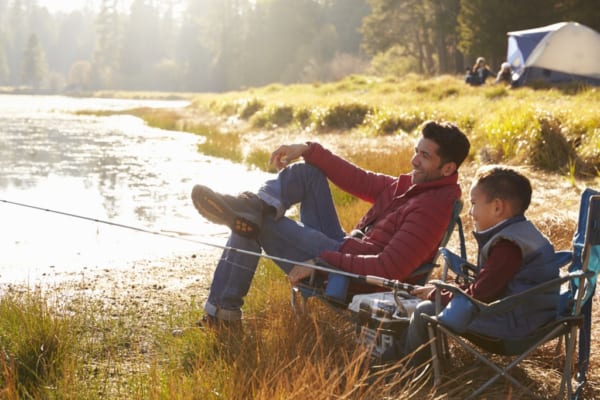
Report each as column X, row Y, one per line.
column 513, row 256
column 479, row 73
column 505, row 74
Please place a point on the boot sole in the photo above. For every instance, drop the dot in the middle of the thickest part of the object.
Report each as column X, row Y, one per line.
column 215, row 209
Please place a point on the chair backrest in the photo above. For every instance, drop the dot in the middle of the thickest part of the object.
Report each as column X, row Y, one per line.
column 586, row 242
column 423, row 273
column 586, row 257
column 455, row 222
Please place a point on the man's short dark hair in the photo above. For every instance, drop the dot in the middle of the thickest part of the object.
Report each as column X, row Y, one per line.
column 453, row 143
column 497, row 182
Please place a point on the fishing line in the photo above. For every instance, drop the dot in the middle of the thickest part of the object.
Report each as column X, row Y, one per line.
column 369, row 279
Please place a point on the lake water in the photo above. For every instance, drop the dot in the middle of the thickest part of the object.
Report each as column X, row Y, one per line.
column 113, row 169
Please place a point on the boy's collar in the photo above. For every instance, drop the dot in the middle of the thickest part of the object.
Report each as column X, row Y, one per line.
column 483, row 236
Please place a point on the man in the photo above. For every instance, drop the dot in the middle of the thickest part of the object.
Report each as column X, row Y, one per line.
column 401, row 231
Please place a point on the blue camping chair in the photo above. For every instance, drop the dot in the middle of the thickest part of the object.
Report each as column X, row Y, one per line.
column 332, row 288
column 573, row 311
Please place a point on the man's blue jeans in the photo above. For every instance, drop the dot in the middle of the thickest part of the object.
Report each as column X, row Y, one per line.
column 417, row 335
column 318, row 230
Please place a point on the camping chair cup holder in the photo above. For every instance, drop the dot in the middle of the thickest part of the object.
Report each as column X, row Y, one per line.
column 337, row 287
column 573, row 312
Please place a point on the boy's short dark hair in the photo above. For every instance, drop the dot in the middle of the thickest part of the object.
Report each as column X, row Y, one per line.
column 453, row 143
column 504, row 183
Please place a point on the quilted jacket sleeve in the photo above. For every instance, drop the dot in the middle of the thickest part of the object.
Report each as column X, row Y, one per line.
column 365, row 185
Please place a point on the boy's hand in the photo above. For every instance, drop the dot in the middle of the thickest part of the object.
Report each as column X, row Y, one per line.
column 423, row 292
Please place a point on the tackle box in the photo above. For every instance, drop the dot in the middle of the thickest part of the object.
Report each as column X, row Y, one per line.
column 381, row 321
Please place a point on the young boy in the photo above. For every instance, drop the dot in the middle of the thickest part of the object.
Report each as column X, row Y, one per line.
column 513, row 256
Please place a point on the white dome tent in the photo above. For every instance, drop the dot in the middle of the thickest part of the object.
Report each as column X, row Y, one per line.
column 562, row 52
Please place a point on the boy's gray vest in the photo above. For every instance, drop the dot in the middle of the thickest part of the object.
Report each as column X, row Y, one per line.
column 538, row 266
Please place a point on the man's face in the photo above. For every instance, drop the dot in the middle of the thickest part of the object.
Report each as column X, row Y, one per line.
column 427, row 165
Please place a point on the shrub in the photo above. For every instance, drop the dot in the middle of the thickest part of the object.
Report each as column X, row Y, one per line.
column 303, row 116
column 342, row 116
column 582, row 132
column 248, row 107
column 507, row 134
column 273, row 116
column 387, row 122
column 550, row 150
column 383, row 122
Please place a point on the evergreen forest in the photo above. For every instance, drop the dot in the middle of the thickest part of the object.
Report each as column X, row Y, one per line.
column 223, row 45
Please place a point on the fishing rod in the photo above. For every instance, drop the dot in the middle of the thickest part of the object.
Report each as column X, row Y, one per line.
column 318, row 265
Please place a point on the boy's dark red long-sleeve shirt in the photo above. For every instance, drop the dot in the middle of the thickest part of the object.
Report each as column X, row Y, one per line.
column 503, row 263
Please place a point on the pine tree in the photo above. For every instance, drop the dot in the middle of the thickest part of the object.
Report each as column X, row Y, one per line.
column 34, row 63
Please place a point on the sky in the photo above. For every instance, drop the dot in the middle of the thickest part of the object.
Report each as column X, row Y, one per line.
column 70, row 5
column 66, row 6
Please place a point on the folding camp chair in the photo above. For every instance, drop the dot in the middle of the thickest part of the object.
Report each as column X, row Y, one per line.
column 332, row 288
column 573, row 312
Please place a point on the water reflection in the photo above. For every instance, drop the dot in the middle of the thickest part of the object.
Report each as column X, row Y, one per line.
column 113, row 168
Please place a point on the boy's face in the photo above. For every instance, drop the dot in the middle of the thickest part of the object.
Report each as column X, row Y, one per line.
column 427, row 165
column 483, row 211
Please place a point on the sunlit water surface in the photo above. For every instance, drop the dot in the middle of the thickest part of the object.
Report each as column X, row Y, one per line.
column 113, row 169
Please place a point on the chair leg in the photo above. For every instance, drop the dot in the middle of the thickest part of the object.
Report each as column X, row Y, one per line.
column 500, row 372
column 435, row 361
column 565, row 383
column 294, row 301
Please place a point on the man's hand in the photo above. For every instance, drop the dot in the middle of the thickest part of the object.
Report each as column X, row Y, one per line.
column 300, row 272
column 286, row 154
column 423, row 292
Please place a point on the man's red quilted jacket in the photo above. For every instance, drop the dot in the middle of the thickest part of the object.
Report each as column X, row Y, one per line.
column 403, row 227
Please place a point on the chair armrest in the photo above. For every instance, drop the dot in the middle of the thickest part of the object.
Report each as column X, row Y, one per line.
column 508, row 303
column 458, row 265
column 456, row 291
column 462, row 268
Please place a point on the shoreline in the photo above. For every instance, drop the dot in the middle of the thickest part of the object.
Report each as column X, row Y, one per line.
column 156, row 282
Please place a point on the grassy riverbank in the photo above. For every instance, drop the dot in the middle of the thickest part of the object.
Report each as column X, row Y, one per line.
column 112, row 338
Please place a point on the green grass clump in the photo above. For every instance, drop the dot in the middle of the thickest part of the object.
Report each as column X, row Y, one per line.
column 390, row 121
column 303, row 116
column 341, row 116
column 35, row 346
column 505, row 135
column 259, row 158
column 273, row 116
column 550, row 150
column 157, row 118
column 249, row 107
column 222, row 145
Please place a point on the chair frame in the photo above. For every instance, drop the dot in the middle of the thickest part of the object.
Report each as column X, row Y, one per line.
column 564, row 327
